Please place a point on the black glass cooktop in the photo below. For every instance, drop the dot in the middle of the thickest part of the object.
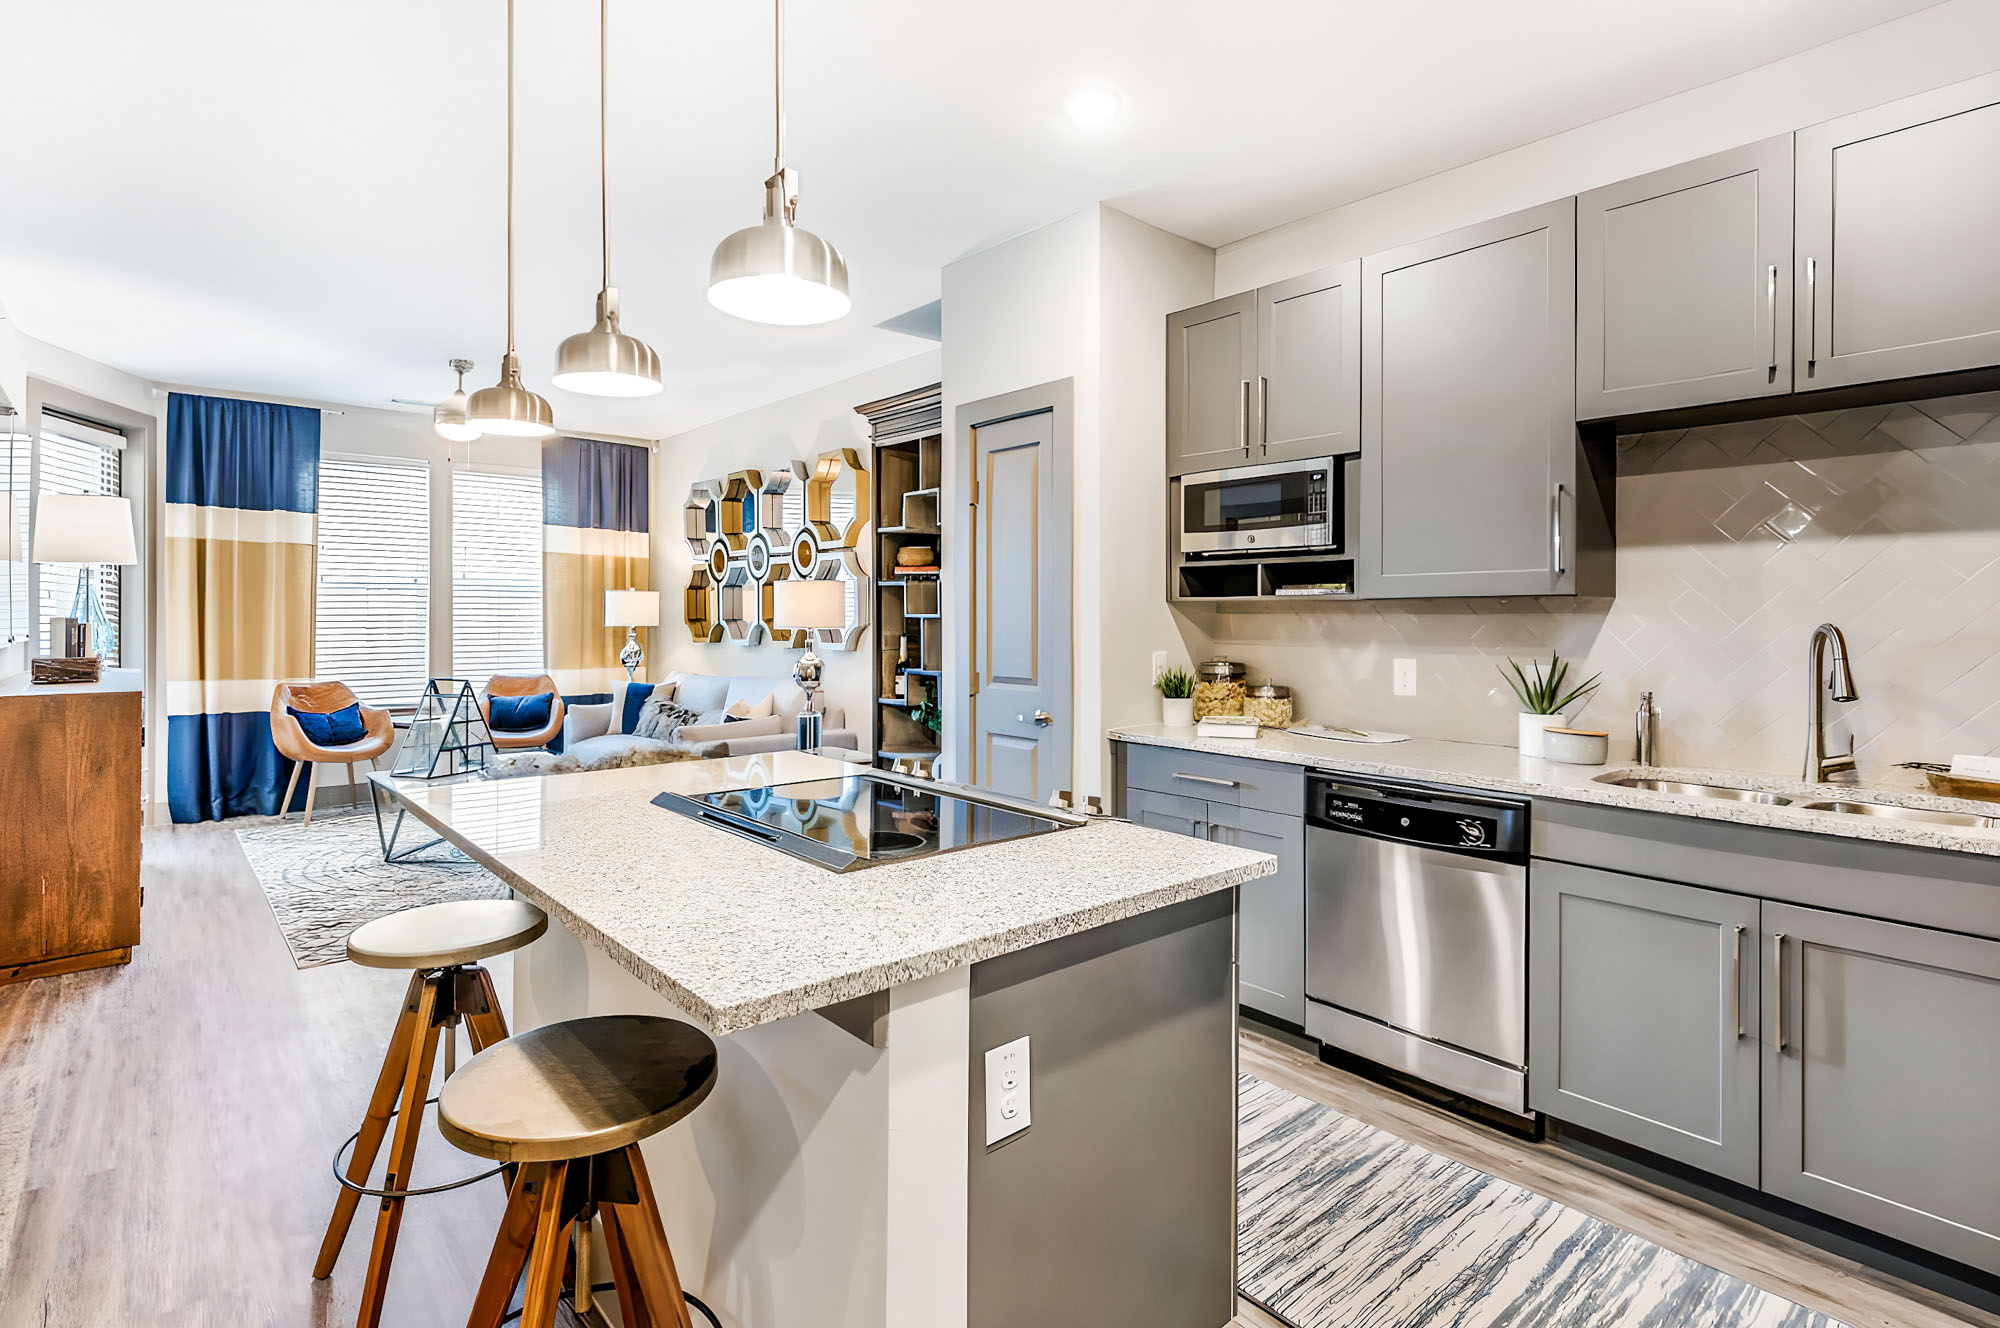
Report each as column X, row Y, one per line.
column 864, row 818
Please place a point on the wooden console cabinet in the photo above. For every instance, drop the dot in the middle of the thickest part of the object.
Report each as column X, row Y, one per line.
column 69, row 825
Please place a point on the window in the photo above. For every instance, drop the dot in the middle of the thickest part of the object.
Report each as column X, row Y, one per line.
column 16, row 458
column 496, row 574
column 372, row 629
column 76, row 456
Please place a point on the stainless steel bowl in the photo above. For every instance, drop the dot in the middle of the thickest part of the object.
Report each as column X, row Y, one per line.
column 1718, row 792
column 1891, row 812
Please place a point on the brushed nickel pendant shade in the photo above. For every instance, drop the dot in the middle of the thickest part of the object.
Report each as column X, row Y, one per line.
column 449, row 418
column 777, row 271
column 509, row 409
column 605, row 362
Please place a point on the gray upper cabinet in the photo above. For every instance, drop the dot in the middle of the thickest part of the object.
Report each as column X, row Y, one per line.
column 1309, row 366
column 1881, row 1071
column 1272, row 927
column 1643, row 1013
column 1211, row 383
column 1468, row 424
column 1684, row 285
column 1898, row 207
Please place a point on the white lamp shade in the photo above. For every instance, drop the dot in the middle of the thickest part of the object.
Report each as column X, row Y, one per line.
column 808, row 604
column 631, row 608
column 10, row 538
column 87, row 528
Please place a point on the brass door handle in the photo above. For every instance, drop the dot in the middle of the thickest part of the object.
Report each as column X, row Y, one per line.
column 1044, row 718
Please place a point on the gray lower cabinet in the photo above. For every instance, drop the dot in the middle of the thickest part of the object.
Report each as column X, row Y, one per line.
column 1211, row 376
column 1898, row 206
column 1881, row 1075
column 1468, row 413
column 1643, row 1013
column 1684, row 284
column 1167, row 811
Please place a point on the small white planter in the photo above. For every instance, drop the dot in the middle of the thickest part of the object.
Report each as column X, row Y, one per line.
column 1177, row 712
column 1531, row 731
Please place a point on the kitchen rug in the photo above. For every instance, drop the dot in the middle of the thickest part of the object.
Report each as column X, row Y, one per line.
column 1342, row 1226
column 328, row 878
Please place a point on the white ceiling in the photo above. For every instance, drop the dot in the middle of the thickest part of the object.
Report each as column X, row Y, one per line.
column 305, row 199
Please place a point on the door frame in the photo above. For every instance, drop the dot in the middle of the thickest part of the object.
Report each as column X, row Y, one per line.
column 1058, row 398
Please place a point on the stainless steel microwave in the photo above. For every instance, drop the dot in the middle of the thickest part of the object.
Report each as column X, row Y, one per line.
column 1286, row 507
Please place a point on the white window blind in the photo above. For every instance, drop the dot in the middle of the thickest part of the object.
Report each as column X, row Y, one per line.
column 496, row 574
column 16, row 459
column 76, row 457
column 372, row 629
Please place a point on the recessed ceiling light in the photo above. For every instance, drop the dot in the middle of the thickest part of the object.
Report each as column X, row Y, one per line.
column 1091, row 107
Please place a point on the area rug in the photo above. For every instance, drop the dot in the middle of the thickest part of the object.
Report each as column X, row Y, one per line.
column 1342, row 1226
column 325, row 880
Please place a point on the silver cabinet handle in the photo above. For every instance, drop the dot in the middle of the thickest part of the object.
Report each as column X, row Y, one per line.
column 1243, row 416
column 1263, row 411
column 1812, row 315
column 1207, row 779
column 1044, row 718
column 1771, row 298
column 1778, row 977
column 1200, row 830
column 1556, row 527
column 1736, row 977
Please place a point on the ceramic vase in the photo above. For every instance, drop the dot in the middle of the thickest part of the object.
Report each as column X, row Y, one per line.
column 1177, row 711
column 1531, row 731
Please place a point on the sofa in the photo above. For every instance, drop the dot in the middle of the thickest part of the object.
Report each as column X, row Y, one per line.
column 604, row 731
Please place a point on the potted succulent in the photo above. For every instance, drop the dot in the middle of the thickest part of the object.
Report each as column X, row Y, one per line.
column 1545, row 696
column 1176, row 687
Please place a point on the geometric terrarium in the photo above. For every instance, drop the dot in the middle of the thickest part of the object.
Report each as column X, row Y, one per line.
column 447, row 735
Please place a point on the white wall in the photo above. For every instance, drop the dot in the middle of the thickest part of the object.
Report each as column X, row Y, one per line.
column 1957, row 40
column 793, row 429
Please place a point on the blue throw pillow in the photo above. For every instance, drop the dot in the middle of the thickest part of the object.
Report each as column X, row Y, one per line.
column 520, row 714
column 636, row 694
column 335, row 728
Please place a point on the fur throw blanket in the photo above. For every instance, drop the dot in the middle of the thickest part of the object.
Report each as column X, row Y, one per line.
column 547, row 763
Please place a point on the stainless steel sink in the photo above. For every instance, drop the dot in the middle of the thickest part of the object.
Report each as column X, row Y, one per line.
column 1891, row 812
column 1719, row 792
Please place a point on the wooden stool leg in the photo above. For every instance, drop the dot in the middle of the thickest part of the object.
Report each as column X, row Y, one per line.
column 550, row 1254
column 631, row 1302
column 484, row 1023
column 395, row 1064
column 402, row 1154
column 645, row 1241
column 510, row 1247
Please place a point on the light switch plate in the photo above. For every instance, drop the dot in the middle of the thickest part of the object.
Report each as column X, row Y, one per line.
column 1406, row 677
column 1159, row 662
column 1007, row 1097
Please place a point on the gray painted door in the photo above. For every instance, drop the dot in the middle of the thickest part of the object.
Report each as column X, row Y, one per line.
column 1642, row 1013
column 1022, row 710
column 1167, row 811
column 1683, row 284
column 1898, row 208
column 1881, row 1074
column 1271, row 919
column 1468, row 426
column 1309, row 365
column 1211, row 382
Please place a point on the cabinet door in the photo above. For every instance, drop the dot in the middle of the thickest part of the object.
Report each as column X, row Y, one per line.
column 1167, row 811
column 1898, row 208
column 1271, row 925
column 1881, row 1071
column 1211, row 382
column 1309, row 365
column 1683, row 284
column 1468, row 417
column 1642, row 1013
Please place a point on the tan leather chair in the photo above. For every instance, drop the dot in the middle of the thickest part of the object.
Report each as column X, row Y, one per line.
column 322, row 698
column 521, row 684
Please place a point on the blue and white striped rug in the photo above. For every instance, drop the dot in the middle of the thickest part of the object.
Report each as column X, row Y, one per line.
column 1342, row 1226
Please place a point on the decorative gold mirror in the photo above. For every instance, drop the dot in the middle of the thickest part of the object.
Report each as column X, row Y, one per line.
column 699, row 611
column 837, row 498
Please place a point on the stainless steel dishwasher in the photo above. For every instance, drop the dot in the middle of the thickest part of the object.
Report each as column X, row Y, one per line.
column 1417, row 932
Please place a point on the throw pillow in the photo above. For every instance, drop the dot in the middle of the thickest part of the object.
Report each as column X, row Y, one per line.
column 661, row 718
column 631, row 698
column 333, row 728
column 520, row 714
column 758, row 709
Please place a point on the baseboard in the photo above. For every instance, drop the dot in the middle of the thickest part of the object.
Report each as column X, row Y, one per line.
column 48, row 968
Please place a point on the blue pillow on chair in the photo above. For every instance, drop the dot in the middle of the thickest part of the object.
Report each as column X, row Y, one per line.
column 335, row 728
column 520, row 714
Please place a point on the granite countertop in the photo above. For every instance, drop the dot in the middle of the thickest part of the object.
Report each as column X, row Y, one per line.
column 737, row 934
column 1503, row 770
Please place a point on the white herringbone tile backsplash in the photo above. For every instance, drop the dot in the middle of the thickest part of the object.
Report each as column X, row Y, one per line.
column 1734, row 542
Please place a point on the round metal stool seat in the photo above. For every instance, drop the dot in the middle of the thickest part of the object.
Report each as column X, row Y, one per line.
column 578, row 1088
column 462, row 931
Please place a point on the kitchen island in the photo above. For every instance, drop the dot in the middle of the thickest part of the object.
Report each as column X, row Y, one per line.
column 842, row 1171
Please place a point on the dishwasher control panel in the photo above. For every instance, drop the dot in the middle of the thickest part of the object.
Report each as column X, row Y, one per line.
column 1461, row 822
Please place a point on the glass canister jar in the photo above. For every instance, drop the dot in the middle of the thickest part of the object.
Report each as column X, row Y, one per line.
column 1270, row 704
column 1218, row 688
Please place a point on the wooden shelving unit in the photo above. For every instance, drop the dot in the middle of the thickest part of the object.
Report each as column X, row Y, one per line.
column 909, row 601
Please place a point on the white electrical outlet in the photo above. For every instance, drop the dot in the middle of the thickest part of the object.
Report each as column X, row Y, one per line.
column 1406, row 677
column 1006, row 1090
column 1159, row 662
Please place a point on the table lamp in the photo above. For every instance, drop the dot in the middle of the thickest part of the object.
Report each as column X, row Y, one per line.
column 808, row 606
column 91, row 530
column 631, row 609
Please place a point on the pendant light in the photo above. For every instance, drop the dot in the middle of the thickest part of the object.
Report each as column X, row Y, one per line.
column 449, row 417
column 507, row 408
column 778, row 272
column 604, row 362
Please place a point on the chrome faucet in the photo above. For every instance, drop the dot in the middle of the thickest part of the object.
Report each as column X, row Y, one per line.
column 1820, row 767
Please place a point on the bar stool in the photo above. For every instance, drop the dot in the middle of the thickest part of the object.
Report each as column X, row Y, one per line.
column 441, row 944
column 569, row 1104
